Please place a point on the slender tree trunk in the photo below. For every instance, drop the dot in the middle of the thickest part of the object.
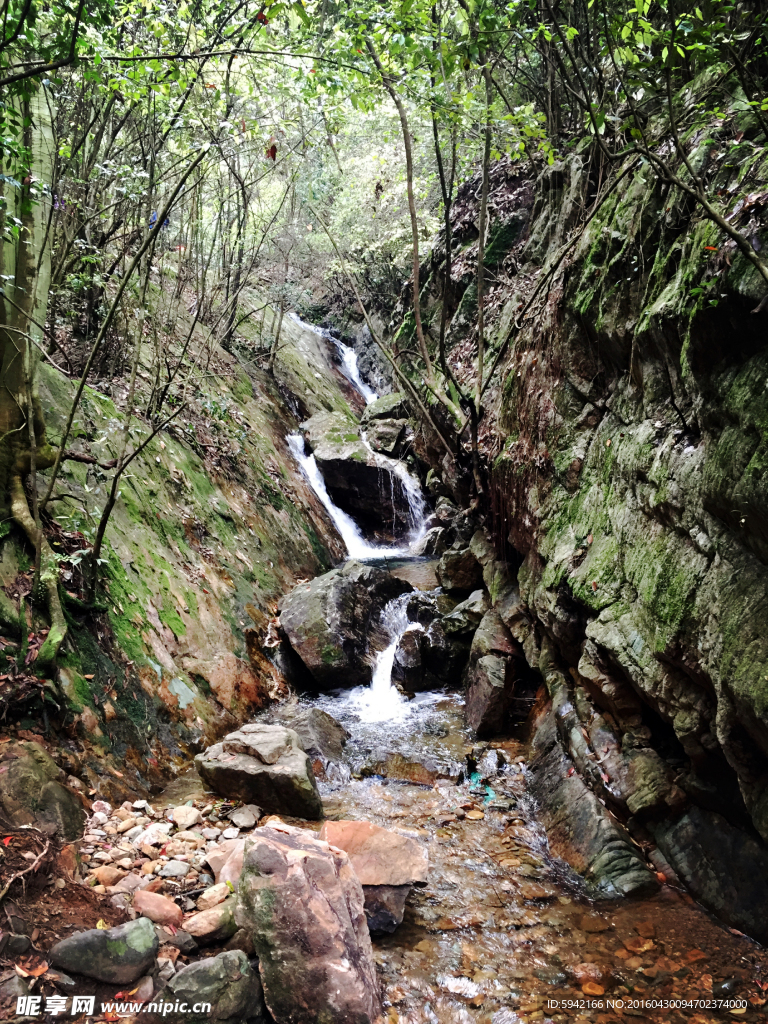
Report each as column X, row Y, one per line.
column 411, row 206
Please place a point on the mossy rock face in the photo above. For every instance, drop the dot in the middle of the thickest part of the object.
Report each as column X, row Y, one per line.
column 632, row 477
column 333, row 623
column 116, row 955
column 388, row 407
column 31, row 792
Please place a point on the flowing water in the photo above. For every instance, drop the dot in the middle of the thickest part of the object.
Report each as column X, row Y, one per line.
column 503, row 933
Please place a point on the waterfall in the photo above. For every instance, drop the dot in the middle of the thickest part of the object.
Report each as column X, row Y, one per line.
column 381, row 701
column 349, row 531
column 349, row 366
column 357, row 545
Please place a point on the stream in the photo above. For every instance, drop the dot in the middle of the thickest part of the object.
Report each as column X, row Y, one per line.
column 502, row 932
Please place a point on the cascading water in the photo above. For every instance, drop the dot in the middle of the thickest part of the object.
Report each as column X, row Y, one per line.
column 357, row 545
column 349, row 531
column 348, row 356
column 381, row 701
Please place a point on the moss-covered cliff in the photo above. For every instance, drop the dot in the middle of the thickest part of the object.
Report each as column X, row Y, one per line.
column 625, row 437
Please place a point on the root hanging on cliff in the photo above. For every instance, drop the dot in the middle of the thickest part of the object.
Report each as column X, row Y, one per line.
column 49, row 572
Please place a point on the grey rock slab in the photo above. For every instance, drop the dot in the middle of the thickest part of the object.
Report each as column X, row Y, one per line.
column 116, row 955
column 385, row 907
column 287, row 786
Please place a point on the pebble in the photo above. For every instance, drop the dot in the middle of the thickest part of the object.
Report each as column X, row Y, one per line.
column 210, row 833
column 185, row 817
column 230, row 833
column 174, row 869
column 245, row 817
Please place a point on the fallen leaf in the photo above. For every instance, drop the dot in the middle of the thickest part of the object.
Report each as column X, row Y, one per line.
column 102, row 925
column 639, row 945
column 591, row 988
column 88, row 677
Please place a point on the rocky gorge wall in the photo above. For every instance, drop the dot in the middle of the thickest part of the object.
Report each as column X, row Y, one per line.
column 214, row 523
column 626, row 441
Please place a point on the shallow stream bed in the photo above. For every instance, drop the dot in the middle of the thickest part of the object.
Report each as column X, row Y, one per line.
column 501, row 933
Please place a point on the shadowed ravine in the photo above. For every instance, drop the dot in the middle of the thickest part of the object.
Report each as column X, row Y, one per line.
column 503, row 931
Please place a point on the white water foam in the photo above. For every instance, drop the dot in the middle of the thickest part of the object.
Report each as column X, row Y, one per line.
column 381, row 701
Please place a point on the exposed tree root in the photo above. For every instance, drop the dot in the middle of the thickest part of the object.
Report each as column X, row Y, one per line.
column 49, row 572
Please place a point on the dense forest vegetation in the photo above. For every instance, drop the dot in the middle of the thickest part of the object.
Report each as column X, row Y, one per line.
column 264, row 155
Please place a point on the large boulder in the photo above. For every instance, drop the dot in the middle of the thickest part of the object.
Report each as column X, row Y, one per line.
column 227, row 983
column 495, row 663
column 359, row 481
column 388, row 407
column 302, row 904
column 31, row 792
column 333, row 623
column 116, row 955
column 321, row 736
column 386, row 863
column 264, row 765
column 459, row 570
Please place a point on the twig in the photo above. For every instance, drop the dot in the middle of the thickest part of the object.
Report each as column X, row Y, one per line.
column 18, row 874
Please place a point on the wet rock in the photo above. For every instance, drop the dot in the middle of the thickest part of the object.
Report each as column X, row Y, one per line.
column 443, row 655
column 303, row 905
column 433, row 543
column 459, row 570
column 724, row 868
column 358, row 481
column 31, row 792
column 227, row 982
column 116, row 955
column 157, row 908
column 466, row 616
column 215, row 925
column 321, row 736
column 397, row 766
column 333, row 623
column 385, row 435
column 263, row 765
column 407, row 668
column 495, row 662
column 385, row 907
column 246, row 816
column 579, row 828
